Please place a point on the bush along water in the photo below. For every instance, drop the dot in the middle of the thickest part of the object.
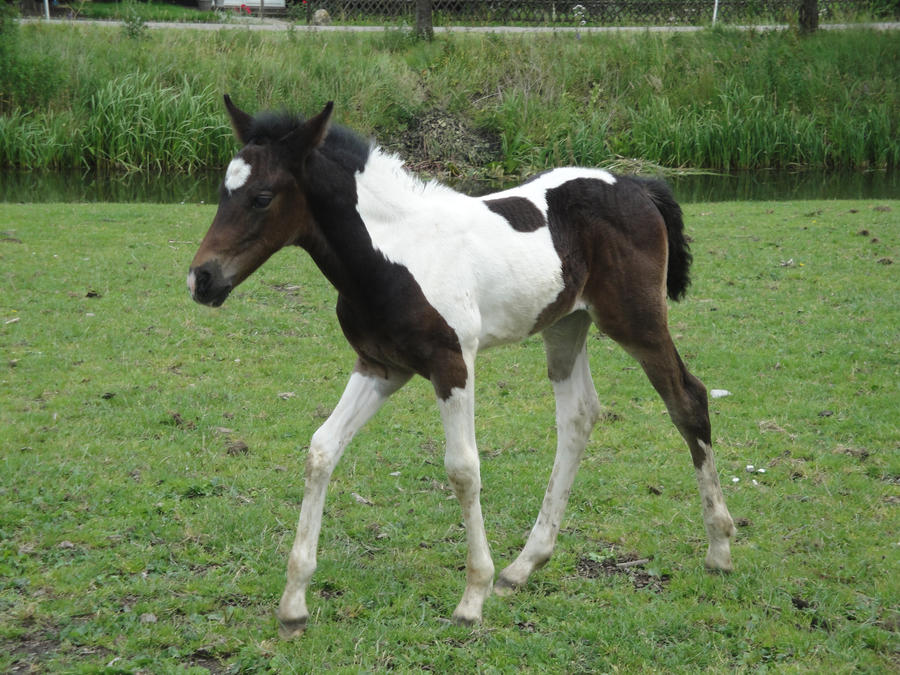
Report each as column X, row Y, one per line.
column 95, row 97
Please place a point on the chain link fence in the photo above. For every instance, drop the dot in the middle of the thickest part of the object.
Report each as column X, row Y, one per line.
column 591, row 12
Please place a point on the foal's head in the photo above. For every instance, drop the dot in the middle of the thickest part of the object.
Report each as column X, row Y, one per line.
column 262, row 206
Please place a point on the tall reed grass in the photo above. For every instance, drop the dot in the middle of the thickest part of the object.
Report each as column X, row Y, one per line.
column 718, row 99
column 137, row 122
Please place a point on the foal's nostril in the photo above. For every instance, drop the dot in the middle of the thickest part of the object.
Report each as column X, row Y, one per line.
column 202, row 279
column 207, row 284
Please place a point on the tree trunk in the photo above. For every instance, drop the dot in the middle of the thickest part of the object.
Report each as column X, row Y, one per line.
column 809, row 16
column 424, row 27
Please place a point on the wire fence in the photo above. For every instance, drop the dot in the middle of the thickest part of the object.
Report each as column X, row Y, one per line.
column 592, row 12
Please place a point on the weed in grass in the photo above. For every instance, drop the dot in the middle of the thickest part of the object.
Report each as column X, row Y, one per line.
column 134, row 25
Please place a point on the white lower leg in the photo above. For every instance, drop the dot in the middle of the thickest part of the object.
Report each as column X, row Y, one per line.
column 718, row 522
column 479, row 566
column 577, row 410
column 363, row 396
column 461, row 462
column 292, row 612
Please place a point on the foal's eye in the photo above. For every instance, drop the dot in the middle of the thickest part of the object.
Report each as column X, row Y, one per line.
column 262, row 200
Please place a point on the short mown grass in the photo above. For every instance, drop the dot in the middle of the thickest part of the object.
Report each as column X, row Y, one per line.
column 151, row 464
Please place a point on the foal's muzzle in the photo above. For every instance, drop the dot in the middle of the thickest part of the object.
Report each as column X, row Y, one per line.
column 207, row 284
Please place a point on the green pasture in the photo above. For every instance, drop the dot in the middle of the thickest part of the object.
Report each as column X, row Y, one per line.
column 151, row 466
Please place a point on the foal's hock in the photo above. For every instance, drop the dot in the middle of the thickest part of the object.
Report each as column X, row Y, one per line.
column 427, row 277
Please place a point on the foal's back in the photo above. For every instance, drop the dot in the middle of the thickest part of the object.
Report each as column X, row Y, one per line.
column 500, row 267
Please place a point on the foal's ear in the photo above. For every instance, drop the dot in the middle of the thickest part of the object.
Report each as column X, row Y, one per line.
column 240, row 121
column 317, row 127
column 311, row 134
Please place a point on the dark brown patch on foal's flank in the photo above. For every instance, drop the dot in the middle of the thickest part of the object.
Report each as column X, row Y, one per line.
column 520, row 213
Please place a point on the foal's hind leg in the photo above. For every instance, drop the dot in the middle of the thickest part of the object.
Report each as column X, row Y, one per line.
column 577, row 410
column 685, row 399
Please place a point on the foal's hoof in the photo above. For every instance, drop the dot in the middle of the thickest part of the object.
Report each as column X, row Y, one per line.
column 291, row 628
column 503, row 587
column 465, row 621
column 719, row 561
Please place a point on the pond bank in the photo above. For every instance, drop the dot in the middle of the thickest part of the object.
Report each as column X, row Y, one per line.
column 202, row 187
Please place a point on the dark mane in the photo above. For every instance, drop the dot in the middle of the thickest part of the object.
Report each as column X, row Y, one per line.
column 342, row 145
column 271, row 127
column 346, row 147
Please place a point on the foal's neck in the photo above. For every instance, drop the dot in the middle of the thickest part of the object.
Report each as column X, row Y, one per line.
column 340, row 243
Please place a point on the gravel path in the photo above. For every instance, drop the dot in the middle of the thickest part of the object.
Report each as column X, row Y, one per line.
column 255, row 23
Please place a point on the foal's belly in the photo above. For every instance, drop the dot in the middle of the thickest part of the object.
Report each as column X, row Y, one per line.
column 494, row 293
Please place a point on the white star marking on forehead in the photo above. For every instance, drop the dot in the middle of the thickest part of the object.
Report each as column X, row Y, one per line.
column 237, row 174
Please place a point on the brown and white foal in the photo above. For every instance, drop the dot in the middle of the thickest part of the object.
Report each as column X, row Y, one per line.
column 426, row 277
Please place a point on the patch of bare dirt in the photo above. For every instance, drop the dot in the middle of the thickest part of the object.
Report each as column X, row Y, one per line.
column 612, row 562
column 29, row 651
column 206, row 657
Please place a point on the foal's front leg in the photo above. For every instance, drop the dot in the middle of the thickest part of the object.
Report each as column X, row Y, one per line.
column 461, row 462
column 364, row 395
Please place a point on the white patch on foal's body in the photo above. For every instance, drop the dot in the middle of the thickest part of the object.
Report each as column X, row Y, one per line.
column 237, row 174
column 489, row 281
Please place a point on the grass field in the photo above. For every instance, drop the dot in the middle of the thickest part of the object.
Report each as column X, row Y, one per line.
column 151, row 466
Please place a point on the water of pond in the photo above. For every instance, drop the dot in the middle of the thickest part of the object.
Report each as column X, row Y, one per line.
column 202, row 187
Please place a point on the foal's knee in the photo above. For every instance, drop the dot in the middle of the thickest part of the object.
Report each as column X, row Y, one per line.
column 322, row 457
column 463, row 472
